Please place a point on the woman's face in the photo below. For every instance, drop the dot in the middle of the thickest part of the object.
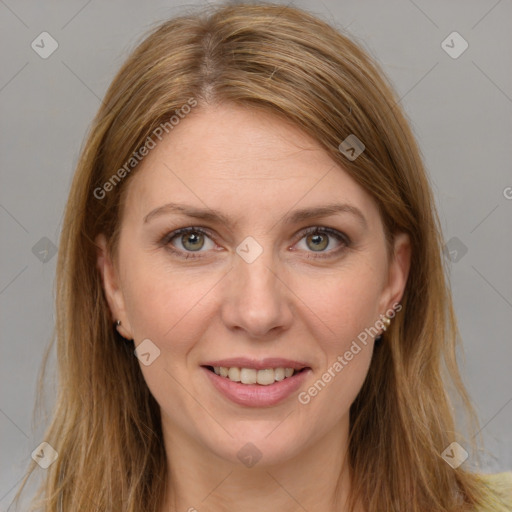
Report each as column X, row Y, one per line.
column 251, row 285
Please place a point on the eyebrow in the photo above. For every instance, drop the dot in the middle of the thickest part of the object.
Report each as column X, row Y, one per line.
column 291, row 217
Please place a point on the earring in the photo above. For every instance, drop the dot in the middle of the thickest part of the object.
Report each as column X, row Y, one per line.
column 118, row 323
column 387, row 322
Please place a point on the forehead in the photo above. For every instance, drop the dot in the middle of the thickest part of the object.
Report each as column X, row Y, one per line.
column 241, row 160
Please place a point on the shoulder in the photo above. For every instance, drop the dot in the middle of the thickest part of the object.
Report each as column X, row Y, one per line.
column 500, row 485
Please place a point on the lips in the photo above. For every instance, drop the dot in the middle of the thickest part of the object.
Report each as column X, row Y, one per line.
column 288, row 376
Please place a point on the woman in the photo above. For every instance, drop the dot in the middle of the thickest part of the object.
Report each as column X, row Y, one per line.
column 252, row 310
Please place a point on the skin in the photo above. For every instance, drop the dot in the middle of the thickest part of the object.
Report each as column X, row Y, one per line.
column 289, row 302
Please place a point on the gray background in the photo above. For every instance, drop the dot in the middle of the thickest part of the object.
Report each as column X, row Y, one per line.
column 460, row 110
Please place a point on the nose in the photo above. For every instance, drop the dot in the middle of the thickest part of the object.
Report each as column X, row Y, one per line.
column 256, row 297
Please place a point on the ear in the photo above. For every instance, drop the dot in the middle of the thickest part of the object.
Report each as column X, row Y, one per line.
column 398, row 272
column 113, row 292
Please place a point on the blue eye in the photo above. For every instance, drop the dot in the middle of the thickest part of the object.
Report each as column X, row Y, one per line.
column 193, row 239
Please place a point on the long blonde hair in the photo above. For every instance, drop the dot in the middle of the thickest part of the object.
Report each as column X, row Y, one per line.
column 106, row 424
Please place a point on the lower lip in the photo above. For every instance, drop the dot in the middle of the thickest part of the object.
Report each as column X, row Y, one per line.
column 257, row 395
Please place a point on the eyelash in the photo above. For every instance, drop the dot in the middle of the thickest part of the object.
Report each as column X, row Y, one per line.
column 341, row 237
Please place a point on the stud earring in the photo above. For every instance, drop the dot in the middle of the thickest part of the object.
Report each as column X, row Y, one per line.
column 118, row 323
column 387, row 322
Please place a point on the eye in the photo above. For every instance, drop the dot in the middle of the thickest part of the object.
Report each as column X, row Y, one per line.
column 185, row 242
column 190, row 239
column 317, row 239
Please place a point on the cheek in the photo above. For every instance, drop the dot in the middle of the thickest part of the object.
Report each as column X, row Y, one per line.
column 162, row 301
column 350, row 312
column 346, row 302
column 348, row 308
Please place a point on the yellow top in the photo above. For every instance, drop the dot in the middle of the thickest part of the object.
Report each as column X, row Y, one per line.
column 501, row 484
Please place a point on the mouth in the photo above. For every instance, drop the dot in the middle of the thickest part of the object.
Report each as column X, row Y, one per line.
column 253, row 376
column 266, row 386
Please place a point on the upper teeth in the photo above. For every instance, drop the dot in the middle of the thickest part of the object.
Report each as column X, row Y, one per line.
column 252, row 376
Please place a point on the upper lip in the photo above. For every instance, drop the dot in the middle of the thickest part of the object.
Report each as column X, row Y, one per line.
column 258, row 364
